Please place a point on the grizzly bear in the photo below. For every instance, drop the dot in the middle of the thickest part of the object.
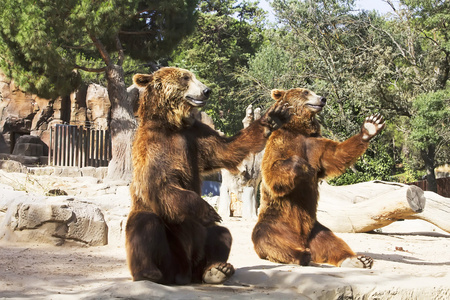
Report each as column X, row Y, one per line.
column 296, row 158
column 172, row 236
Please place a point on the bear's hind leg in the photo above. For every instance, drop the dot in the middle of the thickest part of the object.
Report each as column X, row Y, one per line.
column 327, row 248
column 215, row 268
column 147, row 248
column 278, row 243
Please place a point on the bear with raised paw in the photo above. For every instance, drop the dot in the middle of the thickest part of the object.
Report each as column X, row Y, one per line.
column 172, row 236
column 296, row 158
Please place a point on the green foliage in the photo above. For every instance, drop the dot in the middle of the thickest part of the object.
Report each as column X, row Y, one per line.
column 376, row 164
column 227, row 34
column 431, row 119
column 409, row 175
column 43, row 43
column 272, row 67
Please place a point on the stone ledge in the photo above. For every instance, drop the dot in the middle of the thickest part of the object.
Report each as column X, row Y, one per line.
column 27, row 164
column 54, row 220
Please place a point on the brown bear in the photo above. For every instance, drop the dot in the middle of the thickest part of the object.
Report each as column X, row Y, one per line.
column 296, row 158
column 171, row 232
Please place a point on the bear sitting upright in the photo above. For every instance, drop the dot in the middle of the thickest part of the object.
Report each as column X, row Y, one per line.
column 171, row 232
column 295, row 159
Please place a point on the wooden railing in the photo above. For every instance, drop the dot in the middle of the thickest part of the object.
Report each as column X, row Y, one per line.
column 75, row 146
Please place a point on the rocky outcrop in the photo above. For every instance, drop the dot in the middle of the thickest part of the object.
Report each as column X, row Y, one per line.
column 91, row 212
column 98, row 106
column 27, row 114
column 29, row 145
column 55, row 220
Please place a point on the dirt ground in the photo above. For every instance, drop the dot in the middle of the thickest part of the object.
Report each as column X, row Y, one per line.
column 412, row 261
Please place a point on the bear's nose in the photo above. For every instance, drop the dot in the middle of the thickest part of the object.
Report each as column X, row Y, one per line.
column 207, row 92
column 323, row 100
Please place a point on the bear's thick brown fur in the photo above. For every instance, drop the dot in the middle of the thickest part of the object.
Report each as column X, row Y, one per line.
column 171, row 232
column 296, row 158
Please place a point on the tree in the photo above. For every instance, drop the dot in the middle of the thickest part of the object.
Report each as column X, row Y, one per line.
column 227, row 34
column 327, row 47
column 44, row 44
column 362, row 62
column 430, row 133
column 272, row 67
column 422, row 47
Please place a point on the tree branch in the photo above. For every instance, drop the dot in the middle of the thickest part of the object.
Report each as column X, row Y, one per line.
column 136, row 32
column 94, row 70
column 120, row 50
column 98, row 44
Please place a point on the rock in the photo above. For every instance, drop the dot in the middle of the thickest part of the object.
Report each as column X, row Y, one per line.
column 98, row 106
column 28, row 149
column 11, row 165
column 4, row 148
column 78, row 106
column 55, row 220
column 14, row 103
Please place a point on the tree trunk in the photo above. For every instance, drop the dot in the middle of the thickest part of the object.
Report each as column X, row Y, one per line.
column 238, row 191
column 122, row 125
column 366, row 206
column 428, row 158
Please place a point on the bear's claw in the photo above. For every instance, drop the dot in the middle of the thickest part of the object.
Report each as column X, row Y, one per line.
column 360, row 261
column 277, row 115
column 372, row 126
column 218, row 273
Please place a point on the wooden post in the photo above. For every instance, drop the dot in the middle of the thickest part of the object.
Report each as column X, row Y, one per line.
column 97, row 148
column 64, row 146
column 50, row 148
column 87, row 137
column 57, row 145
column 102, row 142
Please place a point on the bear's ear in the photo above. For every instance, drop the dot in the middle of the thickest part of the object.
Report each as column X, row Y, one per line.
column 142, row 80
column 278, row 94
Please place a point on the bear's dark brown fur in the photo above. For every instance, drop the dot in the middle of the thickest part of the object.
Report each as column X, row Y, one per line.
column 296, row 158
column 171, row 232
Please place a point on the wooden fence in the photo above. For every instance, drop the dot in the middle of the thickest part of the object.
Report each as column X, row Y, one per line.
column 75, row 146
column 443, row 186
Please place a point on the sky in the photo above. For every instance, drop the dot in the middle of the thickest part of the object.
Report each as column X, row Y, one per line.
column 379, row 5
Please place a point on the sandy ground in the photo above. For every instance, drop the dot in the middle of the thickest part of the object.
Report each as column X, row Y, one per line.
column 412, row 261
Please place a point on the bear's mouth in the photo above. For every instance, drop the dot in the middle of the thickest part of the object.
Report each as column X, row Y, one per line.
column 195, row 102
column 316, row 108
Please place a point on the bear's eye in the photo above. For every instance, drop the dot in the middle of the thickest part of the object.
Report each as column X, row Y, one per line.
column 186, row 77
column 306, row 93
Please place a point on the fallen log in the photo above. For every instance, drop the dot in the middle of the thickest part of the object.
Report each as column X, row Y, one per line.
column 371, row 205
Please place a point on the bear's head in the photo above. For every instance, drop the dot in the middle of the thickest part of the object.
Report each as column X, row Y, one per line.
column 170, row 94
column 305, row 105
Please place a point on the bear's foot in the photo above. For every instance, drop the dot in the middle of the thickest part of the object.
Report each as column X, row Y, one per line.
column 360, row 261
column 218, row 273
column 152, row 275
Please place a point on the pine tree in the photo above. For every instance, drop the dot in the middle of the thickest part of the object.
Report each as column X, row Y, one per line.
column 45, row 45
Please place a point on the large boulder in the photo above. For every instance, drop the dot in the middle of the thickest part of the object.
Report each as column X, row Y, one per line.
column 29, row 145
column 55, row 220
column 98, row 106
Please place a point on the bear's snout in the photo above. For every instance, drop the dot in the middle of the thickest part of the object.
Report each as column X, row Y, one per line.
column 323, row 100
column 207, row 92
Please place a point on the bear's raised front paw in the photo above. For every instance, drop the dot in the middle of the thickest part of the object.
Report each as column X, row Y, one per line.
column 210, row 216
column 218, row 273
column 360, row 261
column 276, row 116
column 372, row 126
